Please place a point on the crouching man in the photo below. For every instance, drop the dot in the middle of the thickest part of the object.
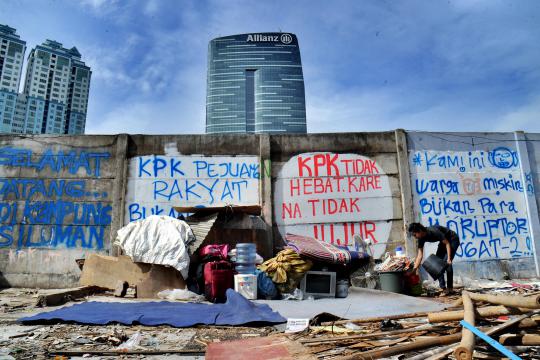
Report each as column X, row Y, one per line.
column 448, row 244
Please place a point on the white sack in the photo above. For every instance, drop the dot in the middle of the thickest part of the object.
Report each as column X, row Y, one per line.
column 157, row 240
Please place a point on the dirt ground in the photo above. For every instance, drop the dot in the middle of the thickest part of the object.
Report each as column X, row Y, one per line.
column 44, row 341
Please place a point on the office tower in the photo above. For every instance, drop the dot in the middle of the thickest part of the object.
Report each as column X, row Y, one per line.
column 12, row 50
column 56, row 89
column 255, row 85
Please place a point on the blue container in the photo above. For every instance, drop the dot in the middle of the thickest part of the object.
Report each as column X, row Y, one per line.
column 245, row 258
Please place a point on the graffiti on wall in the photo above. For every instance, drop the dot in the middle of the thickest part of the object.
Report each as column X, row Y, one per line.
column 333, row 197
column 479, row 195
column 157, row 183
column 41, row 209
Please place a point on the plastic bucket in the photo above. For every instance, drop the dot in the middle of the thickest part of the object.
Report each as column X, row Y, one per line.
column 392, row 281
column 435, row 266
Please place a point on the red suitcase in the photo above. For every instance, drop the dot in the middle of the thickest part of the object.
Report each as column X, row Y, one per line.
column 218, row 277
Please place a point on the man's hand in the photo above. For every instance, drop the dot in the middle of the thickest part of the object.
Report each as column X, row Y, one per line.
column 449, row 261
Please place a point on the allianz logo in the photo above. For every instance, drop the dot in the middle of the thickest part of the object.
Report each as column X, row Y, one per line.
column 284, row 38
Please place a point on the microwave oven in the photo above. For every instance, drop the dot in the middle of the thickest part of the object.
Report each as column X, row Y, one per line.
column 319, row 284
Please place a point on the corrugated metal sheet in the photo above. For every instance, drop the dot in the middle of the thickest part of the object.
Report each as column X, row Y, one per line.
column 200, row 226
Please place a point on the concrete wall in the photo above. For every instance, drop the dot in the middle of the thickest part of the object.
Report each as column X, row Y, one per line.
column 333, row 186
column 476, row 184
column 63, row 197
column 56, row 206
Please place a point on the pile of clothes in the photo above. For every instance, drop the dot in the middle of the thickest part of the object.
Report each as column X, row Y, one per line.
column 286, row 269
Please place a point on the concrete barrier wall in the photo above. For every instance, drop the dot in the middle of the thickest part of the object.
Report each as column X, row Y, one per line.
column 477, row 185
column 63, row 197
column 56, row 206
column 334, row 186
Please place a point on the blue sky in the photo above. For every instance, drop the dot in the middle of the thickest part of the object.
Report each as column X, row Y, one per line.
column 458, row 65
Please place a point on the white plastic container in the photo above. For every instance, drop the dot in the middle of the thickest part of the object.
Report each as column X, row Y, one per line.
column 246, row 285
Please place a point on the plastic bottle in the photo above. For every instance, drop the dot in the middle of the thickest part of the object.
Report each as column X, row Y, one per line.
column 245, row 258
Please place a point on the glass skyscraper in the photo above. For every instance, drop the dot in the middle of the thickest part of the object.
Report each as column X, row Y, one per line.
column 255, row 85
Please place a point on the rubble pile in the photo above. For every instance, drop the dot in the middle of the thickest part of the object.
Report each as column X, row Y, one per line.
column 393, row 263
column 234, row 292
column 30, row 342
column 511, row 320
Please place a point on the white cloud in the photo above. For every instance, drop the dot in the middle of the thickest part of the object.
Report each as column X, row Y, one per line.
column 151, row 7
column 526, row 117
column 99, row 5
column 368, row 66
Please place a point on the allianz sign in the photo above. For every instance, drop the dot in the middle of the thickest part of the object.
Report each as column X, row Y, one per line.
column 284, row 38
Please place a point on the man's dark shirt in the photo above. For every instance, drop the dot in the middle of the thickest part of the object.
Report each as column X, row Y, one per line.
column 438, row 233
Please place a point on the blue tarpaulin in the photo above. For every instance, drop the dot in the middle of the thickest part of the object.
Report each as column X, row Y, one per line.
column 236, row 311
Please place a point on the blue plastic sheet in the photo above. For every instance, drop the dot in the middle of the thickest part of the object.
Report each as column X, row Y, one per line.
column 236, row 311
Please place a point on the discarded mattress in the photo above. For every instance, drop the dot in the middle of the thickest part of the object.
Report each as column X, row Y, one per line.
column 157, row 240
column 321, row 251
column 236, row 311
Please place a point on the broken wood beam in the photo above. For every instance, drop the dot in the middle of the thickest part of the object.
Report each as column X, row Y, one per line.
column 403, row 348
column 516, row 301
column 63, row 296
column 488, row 311
column 376, row 319
column 326, row 339
column 465, row 349
column 492, row 331
column 488, row 339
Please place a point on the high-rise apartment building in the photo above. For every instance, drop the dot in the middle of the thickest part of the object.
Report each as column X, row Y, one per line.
column 56, row 88
column 255, row 84
column 12, row 50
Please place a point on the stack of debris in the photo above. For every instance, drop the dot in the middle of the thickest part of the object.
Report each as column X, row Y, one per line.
column 507, row 324
column 394, row 263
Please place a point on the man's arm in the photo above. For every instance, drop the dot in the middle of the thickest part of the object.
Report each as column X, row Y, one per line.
column 419, row 257
column 448, row 251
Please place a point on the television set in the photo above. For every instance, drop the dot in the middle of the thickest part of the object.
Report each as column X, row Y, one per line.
column 319, row 284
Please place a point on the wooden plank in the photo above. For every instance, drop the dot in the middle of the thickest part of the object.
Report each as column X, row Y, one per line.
column 63, row 296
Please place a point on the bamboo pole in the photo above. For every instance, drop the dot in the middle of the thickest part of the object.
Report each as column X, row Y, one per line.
column 457, row 303
column 531, row 339
column 403, row 348
column 444, row 352
column 488, row 311
column 520, row 339
column 466, row 347
column 517, row 301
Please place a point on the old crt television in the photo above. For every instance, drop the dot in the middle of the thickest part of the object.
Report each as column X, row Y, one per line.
column 319, row 284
